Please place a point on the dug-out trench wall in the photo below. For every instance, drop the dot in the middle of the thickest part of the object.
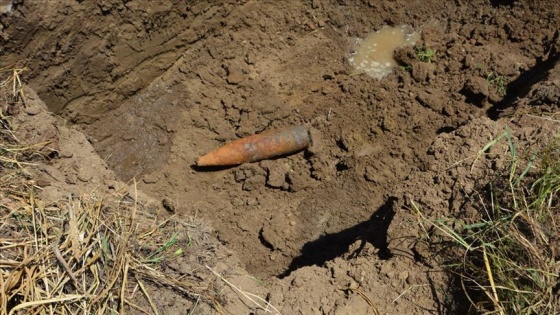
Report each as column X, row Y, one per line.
column 155, row 84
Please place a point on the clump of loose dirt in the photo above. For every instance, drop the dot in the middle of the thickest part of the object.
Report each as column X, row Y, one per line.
column 155, row 85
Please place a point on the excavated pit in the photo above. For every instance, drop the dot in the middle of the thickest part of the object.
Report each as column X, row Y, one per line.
column 156, row 84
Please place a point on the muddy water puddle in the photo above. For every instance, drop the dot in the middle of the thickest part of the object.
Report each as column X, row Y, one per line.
column 373, row 55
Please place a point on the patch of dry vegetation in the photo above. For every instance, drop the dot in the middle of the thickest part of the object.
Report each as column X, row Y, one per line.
column 82, row 255
column 508, row 258
column 89, row 254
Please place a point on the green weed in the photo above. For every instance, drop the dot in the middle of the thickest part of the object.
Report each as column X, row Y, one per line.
column 498, row 81
column 506, row 259
column 158, row 255
column 406, row 68
column 425, row 54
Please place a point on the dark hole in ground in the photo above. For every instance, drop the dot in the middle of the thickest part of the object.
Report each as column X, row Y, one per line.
column 473, row 98
column 330, row 246
column 342, row 166
column 445, row 129
column 497, row 3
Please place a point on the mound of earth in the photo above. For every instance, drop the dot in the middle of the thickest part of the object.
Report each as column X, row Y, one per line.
column 154, row 84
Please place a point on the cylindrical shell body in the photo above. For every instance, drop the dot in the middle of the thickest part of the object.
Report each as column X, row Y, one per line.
column 258, row 147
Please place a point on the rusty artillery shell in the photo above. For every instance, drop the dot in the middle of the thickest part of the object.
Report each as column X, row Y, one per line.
column 258, row 147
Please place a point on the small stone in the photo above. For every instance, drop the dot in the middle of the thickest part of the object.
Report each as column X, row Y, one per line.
column 253, row 183
column 430, row 100
column 65, row 153
column 33, row 109
column 365, row 150
column 128, row 136
column 389, row 124
column 84, row 174
column 476, row 90
column 240, row 175
column 477, row 85
column 150, row 179
column 235, row 75
column 238, row 202
column 250, row 58
column 276, row 173
column 168, row 205
column 297, row 181
column 299, row 281
column 403, row 275
column 42, row 181
column 251, row 202
column 421, row 71
column 246, row 171
column 317, row 143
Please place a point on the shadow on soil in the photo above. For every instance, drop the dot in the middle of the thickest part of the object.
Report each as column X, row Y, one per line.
column 521, row 87
column 330, row 246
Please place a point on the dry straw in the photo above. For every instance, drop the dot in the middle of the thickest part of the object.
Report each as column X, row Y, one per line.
column 88, row 254
column 82, row 255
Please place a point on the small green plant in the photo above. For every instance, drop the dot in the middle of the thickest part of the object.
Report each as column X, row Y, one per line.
column 506, row 258
column 158, row 255
column 406, row 68
column 498, row 81
column 425, row 54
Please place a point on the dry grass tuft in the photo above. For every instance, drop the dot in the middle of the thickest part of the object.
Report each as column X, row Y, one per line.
column 85, row 255
column 507, row 259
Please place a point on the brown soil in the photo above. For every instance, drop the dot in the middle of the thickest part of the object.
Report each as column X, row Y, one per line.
column 155, row 84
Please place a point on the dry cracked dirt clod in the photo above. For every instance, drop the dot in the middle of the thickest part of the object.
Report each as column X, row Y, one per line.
column 258, row 147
